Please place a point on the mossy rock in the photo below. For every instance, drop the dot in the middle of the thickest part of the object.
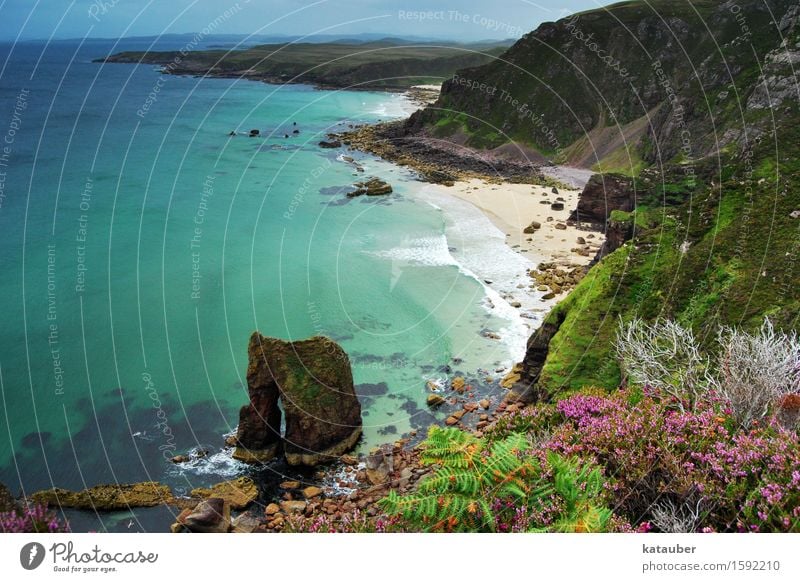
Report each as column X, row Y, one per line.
column 108, row 497
column 238, row 493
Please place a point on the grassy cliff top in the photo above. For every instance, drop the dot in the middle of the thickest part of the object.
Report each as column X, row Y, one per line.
column 381, row 64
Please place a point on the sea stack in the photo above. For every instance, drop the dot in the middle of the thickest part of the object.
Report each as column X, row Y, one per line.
column 314, row 381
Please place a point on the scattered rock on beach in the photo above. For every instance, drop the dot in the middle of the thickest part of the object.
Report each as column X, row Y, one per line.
column 532, row 227
column 380, row 463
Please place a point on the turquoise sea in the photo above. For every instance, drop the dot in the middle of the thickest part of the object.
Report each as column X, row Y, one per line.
column 141, row 245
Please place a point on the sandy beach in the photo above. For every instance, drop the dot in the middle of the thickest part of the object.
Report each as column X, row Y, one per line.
column 513, row 207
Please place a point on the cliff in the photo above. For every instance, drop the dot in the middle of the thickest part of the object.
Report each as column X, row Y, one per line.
column 690, row 112
column 629, row 85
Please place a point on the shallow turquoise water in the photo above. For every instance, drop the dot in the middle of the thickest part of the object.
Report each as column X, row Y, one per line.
column 141, row 249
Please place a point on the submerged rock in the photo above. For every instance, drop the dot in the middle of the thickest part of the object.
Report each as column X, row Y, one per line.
column 107, row 497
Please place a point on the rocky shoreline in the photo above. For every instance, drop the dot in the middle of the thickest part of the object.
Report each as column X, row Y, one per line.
column 437, row 161
column 344, row 487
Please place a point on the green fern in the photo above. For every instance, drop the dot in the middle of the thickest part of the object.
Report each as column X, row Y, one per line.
column 581, row 489
column 456, row 497
column 470, row 475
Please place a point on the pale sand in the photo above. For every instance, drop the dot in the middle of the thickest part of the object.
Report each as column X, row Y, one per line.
column 512, row 207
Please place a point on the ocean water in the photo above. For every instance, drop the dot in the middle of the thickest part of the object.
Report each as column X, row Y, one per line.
column 141, row 246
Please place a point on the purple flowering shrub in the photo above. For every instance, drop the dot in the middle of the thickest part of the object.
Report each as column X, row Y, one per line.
column 652, row 455
column 31, row 519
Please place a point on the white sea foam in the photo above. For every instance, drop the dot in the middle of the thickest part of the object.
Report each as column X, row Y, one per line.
column 480, row 251
column 396, row 106
column 428, row 251
column 220, row 464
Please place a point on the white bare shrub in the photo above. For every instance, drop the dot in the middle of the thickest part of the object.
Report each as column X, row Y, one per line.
column 755, row 371
column 670, row 517
column 664, row 356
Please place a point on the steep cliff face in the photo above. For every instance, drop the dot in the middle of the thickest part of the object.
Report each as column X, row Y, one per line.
column 630, row 84
column 698, row 105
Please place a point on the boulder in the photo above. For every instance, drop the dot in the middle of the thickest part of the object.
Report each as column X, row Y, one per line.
column 211, row 515
column 258, row 436
column 245, row 523
column 603, row 194
column 532, row 227
column 349, row 460
column 107, row 497
column 370, row 187
column 238, row 493
column 557, row 206
column 311, row 492
column 330, row 144
column 315, row 383
column 435, row 400
column 293, row 506
column 380, row 464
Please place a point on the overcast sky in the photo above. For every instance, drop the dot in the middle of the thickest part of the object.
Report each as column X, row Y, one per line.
column 459, row 19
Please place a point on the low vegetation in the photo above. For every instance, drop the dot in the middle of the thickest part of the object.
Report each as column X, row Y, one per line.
column 389, row 64
column 673, row 451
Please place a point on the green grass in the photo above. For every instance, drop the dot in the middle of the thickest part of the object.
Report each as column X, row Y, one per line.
column 625, row 160
column 366, row 65
column 726, row 256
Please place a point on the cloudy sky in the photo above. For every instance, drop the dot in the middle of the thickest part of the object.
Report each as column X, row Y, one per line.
column 457, row 19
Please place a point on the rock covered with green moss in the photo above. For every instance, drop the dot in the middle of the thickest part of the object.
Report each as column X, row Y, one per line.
column 314, row 381
column 107, row 497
